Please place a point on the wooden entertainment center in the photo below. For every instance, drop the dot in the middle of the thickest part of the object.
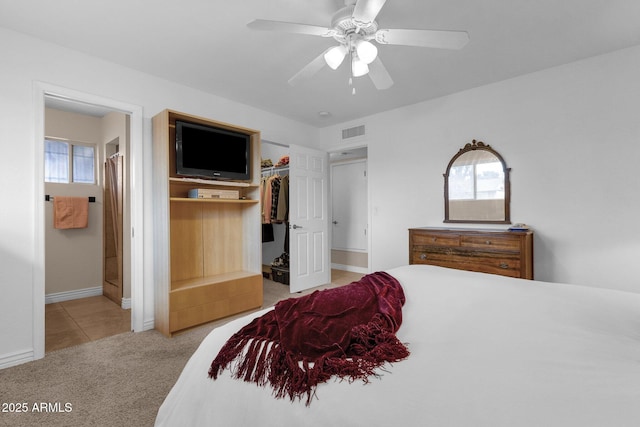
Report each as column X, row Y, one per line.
column 207, row 251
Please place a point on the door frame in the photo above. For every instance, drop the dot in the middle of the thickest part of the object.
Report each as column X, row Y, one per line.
column 136, row 191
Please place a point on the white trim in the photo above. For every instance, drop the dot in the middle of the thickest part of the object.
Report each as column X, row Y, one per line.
column 39, row 230
column 138, row 265
column 125, row 304
column 351, row 268
column 149, row 324
column 358, row 251
column 71, row 295
column 17, row 358
column 138, row 262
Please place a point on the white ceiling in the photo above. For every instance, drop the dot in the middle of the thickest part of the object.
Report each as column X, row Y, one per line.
column 205, row 44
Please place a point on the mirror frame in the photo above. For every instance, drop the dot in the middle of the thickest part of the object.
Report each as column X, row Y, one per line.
column 473, row 146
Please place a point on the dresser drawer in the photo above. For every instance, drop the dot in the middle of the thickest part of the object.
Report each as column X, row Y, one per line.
column 487, row 251
column 435, row 239
column 505, row 264
column 491, row 242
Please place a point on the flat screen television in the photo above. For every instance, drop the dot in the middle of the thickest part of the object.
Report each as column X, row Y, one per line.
column 212, row 153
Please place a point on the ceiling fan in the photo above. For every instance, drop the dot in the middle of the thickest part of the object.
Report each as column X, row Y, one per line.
column 354, row 28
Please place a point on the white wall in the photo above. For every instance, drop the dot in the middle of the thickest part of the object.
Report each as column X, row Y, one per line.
column 571, row 135
column 28, row 62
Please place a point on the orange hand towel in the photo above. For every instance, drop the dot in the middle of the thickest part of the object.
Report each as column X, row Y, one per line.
column 70, row 212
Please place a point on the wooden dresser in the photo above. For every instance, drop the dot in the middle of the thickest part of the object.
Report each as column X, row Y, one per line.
column 507, row 253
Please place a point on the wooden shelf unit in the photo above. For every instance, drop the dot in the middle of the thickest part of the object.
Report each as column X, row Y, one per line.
column 208, row 251
column 230, row 201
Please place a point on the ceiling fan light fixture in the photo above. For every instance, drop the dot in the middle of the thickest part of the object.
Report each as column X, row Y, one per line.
column 335, row 56
column 367, row 51
column 358, row 67
column 354, row 28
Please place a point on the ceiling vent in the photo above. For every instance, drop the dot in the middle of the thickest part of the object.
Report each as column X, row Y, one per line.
column 353, row 132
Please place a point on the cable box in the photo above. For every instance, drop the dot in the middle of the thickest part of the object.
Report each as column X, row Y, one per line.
column 211, row 193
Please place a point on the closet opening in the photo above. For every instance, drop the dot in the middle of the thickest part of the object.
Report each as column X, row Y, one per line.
column 296, row 242
column 274, row 192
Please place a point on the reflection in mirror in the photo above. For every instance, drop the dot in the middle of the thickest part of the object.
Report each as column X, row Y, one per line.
column 477, row 186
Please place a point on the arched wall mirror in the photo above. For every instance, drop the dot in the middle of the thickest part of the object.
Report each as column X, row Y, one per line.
column 476, row 186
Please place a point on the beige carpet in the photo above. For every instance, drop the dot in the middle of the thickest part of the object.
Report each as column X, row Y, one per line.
column 117, row 381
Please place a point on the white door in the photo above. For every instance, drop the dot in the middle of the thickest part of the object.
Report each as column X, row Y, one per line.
column 349, row 206
column 308, row 218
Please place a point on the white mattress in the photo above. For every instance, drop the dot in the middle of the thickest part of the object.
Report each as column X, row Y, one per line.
column 485, row 350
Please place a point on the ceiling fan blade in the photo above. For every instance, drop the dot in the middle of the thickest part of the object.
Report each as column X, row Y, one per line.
column 379, row 75
column 441, row 39
column 289, row 27
column 366, row 11
column 309, row 70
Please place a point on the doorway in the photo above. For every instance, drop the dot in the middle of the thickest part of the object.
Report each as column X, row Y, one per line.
column 350, row 210
column 45, row 93
column 86, row 295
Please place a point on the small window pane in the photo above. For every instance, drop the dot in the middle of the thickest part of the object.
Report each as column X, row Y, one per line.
column 56, row 161
column 83, row 164
column 482, row 181
column 490, row 181
column 461, row 183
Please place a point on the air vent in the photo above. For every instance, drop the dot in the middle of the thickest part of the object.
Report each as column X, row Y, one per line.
column 353, row 132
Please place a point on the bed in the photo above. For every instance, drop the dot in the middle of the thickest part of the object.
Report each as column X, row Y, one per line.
column 486, row 350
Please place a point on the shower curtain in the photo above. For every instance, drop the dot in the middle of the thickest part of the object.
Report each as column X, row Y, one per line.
column 114, row 177
column 113, row 219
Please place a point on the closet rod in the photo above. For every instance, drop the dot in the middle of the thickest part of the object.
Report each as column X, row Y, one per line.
column 48, row 198
column 272, row 169
column 279, row 144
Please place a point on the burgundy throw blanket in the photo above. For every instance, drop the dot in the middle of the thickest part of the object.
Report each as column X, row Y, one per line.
column 347, row 332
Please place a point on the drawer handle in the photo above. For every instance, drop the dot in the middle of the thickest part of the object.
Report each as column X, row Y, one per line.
column 423, row 256
column 488, row 242
column 504, row 265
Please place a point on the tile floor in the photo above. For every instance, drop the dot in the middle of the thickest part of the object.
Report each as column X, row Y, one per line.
column 74, row 322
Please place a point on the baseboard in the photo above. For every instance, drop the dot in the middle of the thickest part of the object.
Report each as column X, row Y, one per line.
column 149, row 325
column 351, row 268
column 126, row 303
column 70, row 295
column 15, row 359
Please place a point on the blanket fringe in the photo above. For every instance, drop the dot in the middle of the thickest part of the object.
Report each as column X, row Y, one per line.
column 265, row 362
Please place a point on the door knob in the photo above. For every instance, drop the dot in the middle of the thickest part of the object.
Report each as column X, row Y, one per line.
column 294, row 226
column 334, row 222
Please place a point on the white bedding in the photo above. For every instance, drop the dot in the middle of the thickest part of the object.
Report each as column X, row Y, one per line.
column 486, row 350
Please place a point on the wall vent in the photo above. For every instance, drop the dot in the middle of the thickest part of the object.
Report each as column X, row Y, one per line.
column 353, row 132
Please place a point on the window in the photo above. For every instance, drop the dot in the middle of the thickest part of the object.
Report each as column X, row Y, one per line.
column 66, row 162
column 476, row 181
